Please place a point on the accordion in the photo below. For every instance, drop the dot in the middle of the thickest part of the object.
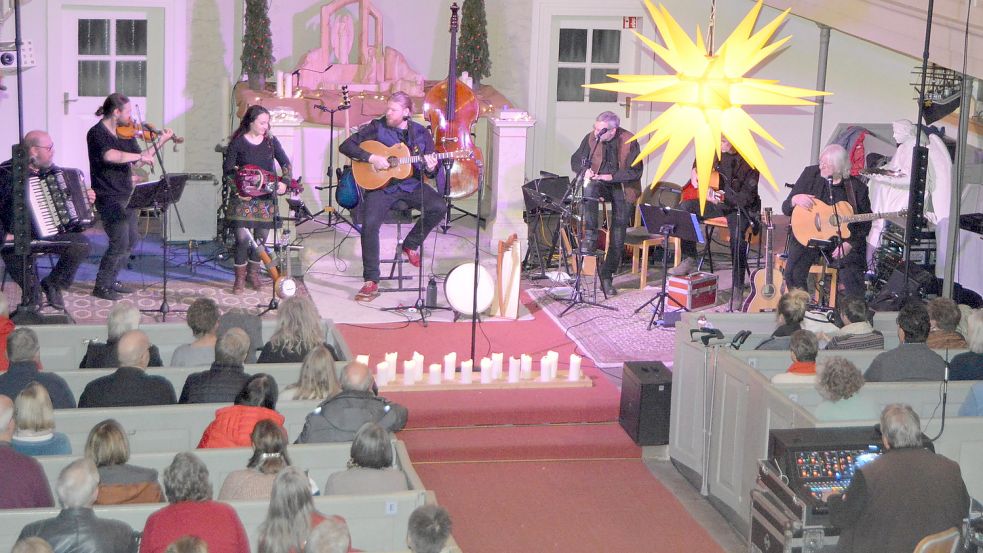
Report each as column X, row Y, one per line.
column 59, row 203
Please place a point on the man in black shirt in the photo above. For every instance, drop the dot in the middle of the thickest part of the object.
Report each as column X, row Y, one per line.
column 606, row 156
column 70, row 247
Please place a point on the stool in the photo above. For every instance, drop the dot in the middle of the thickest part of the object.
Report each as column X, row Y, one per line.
column 816, row 270
column 396, row 267
column 721, row 223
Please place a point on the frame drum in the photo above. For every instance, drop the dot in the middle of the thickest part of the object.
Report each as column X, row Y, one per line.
column 459, row 288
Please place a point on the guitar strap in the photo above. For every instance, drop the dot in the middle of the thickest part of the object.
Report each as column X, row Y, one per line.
column 851, row 194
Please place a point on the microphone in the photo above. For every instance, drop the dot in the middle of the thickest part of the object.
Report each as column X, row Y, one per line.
column 33, row 160
column 739, row 339
column 406, row 118
column 713, row 333
column 321, row 107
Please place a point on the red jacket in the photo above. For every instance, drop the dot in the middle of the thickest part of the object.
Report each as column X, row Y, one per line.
column 233, row 426
column 216, row 523
column 6, row 327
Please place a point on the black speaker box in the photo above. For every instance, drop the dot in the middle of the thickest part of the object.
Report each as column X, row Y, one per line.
column 645, row 398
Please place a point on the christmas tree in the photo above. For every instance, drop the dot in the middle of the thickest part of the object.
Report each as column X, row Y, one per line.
column 257, row 44
column 472, row 48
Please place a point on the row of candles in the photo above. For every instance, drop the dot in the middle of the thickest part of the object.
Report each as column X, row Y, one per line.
column 490, row 369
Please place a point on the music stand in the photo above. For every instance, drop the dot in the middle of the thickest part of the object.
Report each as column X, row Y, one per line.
column 158, row 195
column 669, row 223
column 542, row 196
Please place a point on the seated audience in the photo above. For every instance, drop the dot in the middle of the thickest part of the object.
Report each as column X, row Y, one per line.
column 23, row 484
column 33, row 544
column 331, row 536
column 902, row 496
column 944, row 315
column 803, row 347
column 188, row 544
column 969, row 365
column 24, row 352
column 792, row 308
column 428, row 529
column 130, row 385
column 338, row 418
column 838, row 382
column 35, row 420
column 973, row 406
column 238, row 317
column 77, row 529
column 226, row 377
column 912, row 360
column 269, row 458
column 6, row 327
column 123, row 318
column 203, row 319
column 233, row 425
column 317, row 377
column 370, row 469
column 856, row 332
column 291, row 515
column 119, row 482
column 192, row 512
column 298, row 331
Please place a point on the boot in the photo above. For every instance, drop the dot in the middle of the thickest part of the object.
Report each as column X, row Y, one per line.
column 239, row 286
column 252, row 276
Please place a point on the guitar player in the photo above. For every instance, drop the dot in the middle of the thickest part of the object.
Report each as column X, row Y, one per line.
column 395, row 126
column 830, row 182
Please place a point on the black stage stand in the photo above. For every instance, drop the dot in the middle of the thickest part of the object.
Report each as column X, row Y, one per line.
column 669, row 223
column 159, row 195
column 346, row 103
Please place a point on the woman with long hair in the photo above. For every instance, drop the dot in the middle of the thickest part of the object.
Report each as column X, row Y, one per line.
column 252, row 144
column 291, row 516
column 268, row 459
column 298, row 332
column 119, row 482
column 317, row 380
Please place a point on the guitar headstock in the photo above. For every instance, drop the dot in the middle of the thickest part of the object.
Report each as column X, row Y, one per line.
column 463, row 154
column 454, row 25
column 346, row 101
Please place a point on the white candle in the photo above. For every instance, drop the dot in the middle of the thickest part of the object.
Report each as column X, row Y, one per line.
column 417, row 366
column 466, row 370
column 288, row 85
column 279, row 84
column 514, row 364
column 382, row 374
column 434, row 374
column 362, row 360
column 545, row 373
column 497, row 359
column 392, row 363
column 450, row 365
column 409, row 372
column 526, row 366
column 486, row 370
column 574, row 374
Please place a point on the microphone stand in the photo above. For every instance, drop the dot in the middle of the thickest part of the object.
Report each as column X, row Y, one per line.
column 839, row 234
column 331, row 186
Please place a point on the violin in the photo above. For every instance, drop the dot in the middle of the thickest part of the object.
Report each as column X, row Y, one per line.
column 145, row 131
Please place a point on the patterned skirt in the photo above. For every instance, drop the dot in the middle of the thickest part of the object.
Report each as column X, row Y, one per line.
column 251, row 213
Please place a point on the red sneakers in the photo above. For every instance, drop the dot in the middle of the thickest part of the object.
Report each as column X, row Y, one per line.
column 368, row 292
column 412, row 256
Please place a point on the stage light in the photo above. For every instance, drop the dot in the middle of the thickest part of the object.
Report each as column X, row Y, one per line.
column 708, row 93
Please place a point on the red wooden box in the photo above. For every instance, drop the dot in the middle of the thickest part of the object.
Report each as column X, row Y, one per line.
column 694, row 291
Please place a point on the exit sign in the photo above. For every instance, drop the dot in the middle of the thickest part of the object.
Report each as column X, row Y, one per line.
column 629, row 22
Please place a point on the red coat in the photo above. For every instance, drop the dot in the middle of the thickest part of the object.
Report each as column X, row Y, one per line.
column 233, row 426
column 215, row 523
column 6, row 327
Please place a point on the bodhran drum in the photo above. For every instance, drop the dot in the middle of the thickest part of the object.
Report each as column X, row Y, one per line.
column 459, row 289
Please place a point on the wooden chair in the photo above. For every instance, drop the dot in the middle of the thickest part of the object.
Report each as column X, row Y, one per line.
column 639, row 240
column 946, row 541
column 720, row 223
column 817, row 271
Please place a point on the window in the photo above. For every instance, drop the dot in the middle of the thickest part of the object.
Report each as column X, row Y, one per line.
column 112, row 57
column 586, row 54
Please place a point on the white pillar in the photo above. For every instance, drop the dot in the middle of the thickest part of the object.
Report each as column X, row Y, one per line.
column 506, row 173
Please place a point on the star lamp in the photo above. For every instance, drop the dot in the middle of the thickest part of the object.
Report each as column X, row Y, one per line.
column 708, row 94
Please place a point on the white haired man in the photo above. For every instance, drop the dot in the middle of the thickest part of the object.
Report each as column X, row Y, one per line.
column 130, row 385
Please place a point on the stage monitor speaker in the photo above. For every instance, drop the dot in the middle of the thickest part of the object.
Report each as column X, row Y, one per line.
column 646, row 389
column 198, row 207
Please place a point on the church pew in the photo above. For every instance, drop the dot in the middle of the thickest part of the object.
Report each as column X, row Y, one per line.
column 771, row 363
column 63, row 346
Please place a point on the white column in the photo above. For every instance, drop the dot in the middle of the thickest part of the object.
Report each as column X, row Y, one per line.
column 506, row 173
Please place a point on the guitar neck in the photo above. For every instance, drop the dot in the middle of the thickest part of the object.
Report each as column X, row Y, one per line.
column 414, row 159
column 862, row 217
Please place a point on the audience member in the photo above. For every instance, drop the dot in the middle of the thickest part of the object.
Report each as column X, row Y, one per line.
column 838, row 382
column 803, row 347
column 912, row 360
column 203, row 319
column 119, row 482
column 33, row 544
column 298, row 331
column 77, row 529
column 238, row 317
column 35, row 421
column 944, row 315
column 429, row 529
column 24, row 352
column 192, row 512
column 969, row 365
column 226, row 377
column 856, row 332
column 188, row 544
column 902, row 496
column 6, row 327
column 130, row 385
column 331, row 536
column 973, row 406
column 792, row 308
column 268, row 459
column 291, row 515
column 317, row 377
column 123, row 318
column 370, row 469
column 338, row 418
column 233, row 425
column 23, row 484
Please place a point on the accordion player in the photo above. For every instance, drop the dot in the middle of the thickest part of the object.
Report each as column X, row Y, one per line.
column 59, row 209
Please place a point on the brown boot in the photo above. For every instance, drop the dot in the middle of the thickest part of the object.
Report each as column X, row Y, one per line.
column 239, row 286
column 252, row 276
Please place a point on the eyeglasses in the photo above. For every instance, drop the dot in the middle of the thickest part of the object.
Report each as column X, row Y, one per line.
column 48, row 147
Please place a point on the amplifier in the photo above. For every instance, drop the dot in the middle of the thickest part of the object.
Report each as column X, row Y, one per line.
column 646, row 390
column 198, row 208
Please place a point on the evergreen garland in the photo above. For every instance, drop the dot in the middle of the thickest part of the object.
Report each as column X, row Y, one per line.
column 257, row 41
column 472, row 48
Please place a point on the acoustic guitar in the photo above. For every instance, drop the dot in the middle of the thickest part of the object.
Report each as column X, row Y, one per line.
column 691, row 192
column 766, row 283
column 400, row 163
column 822, row 222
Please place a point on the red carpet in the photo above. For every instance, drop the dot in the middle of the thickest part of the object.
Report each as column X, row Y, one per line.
column 569, row 507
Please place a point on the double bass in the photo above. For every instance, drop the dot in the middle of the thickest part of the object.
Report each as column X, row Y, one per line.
column 452, row 109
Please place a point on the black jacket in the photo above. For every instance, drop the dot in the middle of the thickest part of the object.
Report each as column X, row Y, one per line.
column 128, row 387
column 272, row 354
column 22, row 373
column 219, row 384
column 102, row 355
column 812, row 182
column 337, row 419
column 79, row 530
